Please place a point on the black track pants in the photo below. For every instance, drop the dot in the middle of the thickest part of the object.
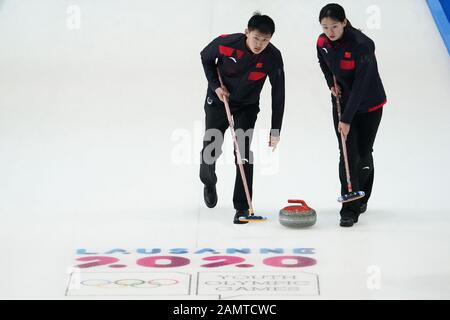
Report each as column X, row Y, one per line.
column 216, row 124
column 360, row 141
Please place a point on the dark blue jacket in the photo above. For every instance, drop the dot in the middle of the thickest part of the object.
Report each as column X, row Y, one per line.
column 244, row 73
column 352, row 60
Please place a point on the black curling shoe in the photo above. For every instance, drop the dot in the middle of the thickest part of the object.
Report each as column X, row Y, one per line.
column 347, row 222
column 240, row 214
column 210, row 196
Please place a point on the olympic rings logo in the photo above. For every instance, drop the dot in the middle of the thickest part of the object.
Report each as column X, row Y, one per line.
column 127, row 283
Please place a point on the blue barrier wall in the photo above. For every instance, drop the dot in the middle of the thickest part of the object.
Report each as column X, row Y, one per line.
column 445, row 4
column 440, row 9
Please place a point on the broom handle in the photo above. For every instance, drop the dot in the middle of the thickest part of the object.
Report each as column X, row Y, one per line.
column 236, row 147
column 344, row 145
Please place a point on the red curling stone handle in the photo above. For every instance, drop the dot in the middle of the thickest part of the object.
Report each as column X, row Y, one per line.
column 298, row 201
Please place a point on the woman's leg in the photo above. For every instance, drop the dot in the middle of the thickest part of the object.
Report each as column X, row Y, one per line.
column 367, row 126
column 349, row 209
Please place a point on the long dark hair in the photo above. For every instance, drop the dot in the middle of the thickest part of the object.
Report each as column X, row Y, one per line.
column 334, row 11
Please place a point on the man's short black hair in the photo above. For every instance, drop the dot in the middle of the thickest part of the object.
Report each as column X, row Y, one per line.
column 261, row 23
